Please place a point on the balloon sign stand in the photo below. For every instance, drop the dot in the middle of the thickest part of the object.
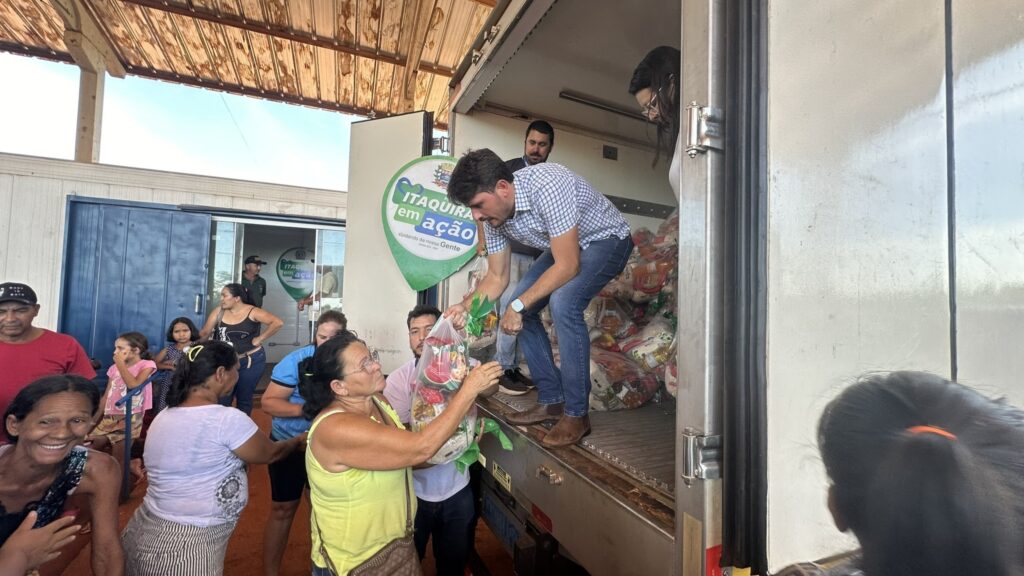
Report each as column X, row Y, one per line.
column 296, row 271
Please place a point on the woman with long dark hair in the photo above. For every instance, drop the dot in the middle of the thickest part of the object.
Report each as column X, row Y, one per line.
column 655, row 85
column 245, row 327
column 45, row 462
column 196, row 452
column 928, row 474
column 359, row 455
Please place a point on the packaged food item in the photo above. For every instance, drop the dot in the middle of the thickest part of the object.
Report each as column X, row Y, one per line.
column 670, row 377
column 439, row 374
column 488, row 323
column 653, row 345
column 617, row 383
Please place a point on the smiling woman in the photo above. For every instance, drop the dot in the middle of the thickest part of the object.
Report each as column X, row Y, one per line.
column 44, row 464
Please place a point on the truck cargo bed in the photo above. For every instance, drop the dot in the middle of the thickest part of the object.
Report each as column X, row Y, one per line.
column 626, row 464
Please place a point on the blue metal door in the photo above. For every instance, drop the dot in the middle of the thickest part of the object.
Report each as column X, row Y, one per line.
column 131, row 267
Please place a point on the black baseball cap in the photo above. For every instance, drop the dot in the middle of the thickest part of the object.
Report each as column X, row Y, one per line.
column 254, row 259
column 17, row 292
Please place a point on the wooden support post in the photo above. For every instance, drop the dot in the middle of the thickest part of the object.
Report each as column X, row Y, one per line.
column 90, row 115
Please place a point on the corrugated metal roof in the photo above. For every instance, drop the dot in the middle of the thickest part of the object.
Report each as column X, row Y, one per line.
column 346, row 55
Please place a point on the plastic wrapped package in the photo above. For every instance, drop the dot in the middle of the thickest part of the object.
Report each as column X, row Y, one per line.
column 651, row 278
column 439, row 374
column 617, row 383
column 669, row 375
column 490, row 323
column 653, row 346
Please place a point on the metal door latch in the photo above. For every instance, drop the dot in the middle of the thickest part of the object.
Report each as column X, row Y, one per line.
column 703, row 129
column 702, row 456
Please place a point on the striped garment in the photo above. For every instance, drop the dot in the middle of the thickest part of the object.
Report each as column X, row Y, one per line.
column 551, row 200
column 157, row 547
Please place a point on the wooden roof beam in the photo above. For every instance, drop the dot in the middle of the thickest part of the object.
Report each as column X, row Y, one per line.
column 286, row 33
column 86, row 42
column 423, row 9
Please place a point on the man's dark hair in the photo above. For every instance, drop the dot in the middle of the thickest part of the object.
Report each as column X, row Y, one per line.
column 422, row 310
column 477, row 171
column 544, row 128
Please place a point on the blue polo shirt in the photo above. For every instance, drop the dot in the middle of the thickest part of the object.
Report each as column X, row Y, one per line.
column 286, row 373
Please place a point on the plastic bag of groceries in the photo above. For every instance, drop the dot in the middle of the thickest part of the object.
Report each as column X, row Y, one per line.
column 653, row 346
column 669, row 375
column 617, row 383
column 490, row 322
column 439, row 374
column 614, row 324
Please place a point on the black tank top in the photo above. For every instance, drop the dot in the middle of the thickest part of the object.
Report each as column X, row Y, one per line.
column 239, row 335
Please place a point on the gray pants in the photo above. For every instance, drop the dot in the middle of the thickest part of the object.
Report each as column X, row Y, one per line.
column 157, row 547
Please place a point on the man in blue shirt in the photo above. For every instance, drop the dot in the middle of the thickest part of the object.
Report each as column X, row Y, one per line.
column 586, row 243
column 445, row 509
column 288, row 476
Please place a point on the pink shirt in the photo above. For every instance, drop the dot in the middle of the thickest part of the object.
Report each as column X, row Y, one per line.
column 117, row 389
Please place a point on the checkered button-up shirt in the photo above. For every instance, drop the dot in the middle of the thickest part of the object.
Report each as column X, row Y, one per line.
column 550, row 201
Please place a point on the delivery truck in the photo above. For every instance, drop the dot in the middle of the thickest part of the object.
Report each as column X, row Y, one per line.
column 850, row 201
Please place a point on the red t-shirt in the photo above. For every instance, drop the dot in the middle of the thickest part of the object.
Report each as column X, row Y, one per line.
column 51, row 353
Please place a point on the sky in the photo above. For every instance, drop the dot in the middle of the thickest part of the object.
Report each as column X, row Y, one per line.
column 173, row 127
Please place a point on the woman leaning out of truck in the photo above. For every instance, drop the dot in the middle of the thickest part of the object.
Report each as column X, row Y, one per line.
column 655, row 85
column 359, row 454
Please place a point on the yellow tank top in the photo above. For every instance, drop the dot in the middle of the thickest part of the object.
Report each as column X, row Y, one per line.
column 358, row 511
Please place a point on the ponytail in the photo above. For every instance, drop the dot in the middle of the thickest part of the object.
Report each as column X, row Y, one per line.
column 239, row 291
column 318, row 371
column 928, row 474
column 932, row 508
column 197, row 366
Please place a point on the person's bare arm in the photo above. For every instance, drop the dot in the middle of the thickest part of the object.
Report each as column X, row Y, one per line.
column 211, row 322
column 159, row 359
column 259, row 449
column 275, row 401
column 272, row 323
column 132, row 380
column 102, row 481
column 357, row 442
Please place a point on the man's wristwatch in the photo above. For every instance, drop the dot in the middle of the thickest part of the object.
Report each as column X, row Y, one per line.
column 517, row 306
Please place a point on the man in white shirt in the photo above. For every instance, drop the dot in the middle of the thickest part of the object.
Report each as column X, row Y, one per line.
column 445, row 508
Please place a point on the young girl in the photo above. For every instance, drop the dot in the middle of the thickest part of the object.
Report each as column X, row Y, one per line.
column 181, row 334
column 132, row 366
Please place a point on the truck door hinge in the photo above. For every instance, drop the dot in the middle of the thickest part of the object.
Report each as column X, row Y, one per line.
column 703, row 129
column 702, row 456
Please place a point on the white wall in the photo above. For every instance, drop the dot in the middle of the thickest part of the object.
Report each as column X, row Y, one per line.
column 857, row 241
column 377, row 297
column 33, row 208
column 631, row 176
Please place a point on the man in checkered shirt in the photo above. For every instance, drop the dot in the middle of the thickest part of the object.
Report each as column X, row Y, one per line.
column 585, row 243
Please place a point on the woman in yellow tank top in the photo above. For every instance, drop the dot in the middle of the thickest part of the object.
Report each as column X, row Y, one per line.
column 358, row 453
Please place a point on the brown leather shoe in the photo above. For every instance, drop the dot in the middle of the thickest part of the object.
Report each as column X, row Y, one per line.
column 568, row 431
column 539, row 413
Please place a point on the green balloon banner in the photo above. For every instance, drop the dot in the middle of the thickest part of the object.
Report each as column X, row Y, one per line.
column 430, row 238
column 295, row 270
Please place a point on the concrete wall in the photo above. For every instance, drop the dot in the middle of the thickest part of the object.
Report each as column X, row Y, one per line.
column 33, row 208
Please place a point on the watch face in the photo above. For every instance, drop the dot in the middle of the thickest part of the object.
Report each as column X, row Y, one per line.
column 517, row 305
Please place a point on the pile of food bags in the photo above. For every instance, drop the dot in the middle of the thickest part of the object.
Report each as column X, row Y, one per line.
column 632, row 325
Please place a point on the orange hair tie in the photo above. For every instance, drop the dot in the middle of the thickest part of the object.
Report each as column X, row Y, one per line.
column 931, row 430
